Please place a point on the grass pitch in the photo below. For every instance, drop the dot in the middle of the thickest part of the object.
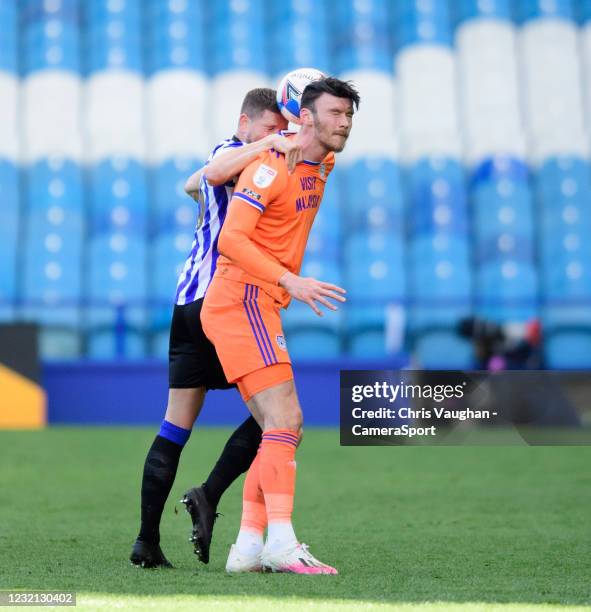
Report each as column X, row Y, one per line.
column 419, row 528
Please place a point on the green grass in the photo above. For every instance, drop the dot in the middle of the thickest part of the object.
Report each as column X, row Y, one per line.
column 468, row 527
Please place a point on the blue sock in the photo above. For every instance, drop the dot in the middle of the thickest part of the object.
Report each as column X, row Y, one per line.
column 174, row 433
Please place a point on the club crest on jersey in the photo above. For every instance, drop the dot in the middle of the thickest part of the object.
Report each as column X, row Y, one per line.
column 264, row 176
column 322, row 170
column 281, row 343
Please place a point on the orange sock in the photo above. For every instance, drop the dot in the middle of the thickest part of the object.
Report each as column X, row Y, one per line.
column 277, row 471
column 254, row 514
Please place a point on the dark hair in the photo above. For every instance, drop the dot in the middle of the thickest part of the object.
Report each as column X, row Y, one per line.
column 332, row 86
column 257, row 101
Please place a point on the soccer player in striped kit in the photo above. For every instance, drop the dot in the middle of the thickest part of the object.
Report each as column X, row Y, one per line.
column 194, row 367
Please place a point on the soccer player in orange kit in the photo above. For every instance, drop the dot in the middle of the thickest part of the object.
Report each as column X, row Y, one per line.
column 262, row 246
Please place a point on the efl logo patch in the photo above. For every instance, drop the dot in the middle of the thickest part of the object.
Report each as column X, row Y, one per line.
column 322, row 170
column 281, row 342
column 264, row 176
column 251, row 194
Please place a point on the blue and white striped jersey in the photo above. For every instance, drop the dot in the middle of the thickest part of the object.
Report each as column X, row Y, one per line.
column 200, row 265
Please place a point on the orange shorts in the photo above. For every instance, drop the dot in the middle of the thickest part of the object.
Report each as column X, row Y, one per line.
column 244, row 324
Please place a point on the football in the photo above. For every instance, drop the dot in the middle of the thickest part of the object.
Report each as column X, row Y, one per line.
column 290, row 89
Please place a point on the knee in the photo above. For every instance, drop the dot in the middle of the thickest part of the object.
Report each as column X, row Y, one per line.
column 295, row 421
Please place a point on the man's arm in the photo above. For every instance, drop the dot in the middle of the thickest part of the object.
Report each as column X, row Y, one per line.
column 233, row 161
column 236, row 244
column 192, row 184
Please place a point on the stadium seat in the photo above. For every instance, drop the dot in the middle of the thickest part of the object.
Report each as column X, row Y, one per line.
column 118, row 197
column 10, row 212
column 421, row 23
column 298, row 36
column 506, row 291
column 376, row 290
column 568, row 349
column 116, row 296
column 476, row 9
column 173, row 209
column 443, row 349
column 308, row 335
column 374, row 195
column 375, row 266
column 166, row 260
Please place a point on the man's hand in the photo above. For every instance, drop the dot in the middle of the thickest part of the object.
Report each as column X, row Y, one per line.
column 310, row 291
column 291, row 149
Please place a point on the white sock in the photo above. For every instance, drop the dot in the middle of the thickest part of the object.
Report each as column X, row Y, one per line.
column 280, row 536
column 249, row 542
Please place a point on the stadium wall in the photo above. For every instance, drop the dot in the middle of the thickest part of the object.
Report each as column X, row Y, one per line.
column 135, row 393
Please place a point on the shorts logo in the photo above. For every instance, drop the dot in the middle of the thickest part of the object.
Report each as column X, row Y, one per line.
column 281, row 342
column 251, row 194
column 264, row 176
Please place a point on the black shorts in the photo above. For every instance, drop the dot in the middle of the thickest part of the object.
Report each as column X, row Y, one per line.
column 192, row 360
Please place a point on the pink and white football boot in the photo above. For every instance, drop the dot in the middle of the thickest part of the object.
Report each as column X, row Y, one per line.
column 294, row 560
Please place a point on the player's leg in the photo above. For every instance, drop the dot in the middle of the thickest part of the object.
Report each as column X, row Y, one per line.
column 160, row 469
column 244, row 324
column 270, row 483
column 185, row 399
column 204, row 366
column 201, row 502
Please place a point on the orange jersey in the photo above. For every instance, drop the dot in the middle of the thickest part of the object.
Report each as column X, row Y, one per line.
column 269, row 219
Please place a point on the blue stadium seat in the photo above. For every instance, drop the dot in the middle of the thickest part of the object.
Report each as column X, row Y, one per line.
column 117, row 293
column 55, row 183
column 114, row 56
column 173, row 209
column 484, row 9
column 436, row 195
column 52, row 280
column 51, row 286
column 326, row 235
column 113, row 29
column 50, row 35
column 568, row 279
column 443, row 349
column 361, row 36
column 502, row 207
column 583, row 11
column 168, row 53
column 9, row 232
column 297, row 36
column 374, row 330
column 176, row 33
column 308, row 336
column 118, row 197
column 374, row 264
column 439, row 267
column 563, row 244
column 417, row 22
column 534, row 9
column 563, row 178
column 568, row 349
column 374, row 195
column 376, row 290
column 166, row 260
column 440, row 288
column 506, row 291
column 236, row 36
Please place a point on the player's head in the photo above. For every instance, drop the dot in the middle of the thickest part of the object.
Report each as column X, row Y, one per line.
column 328, row 105
column 260, row 115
